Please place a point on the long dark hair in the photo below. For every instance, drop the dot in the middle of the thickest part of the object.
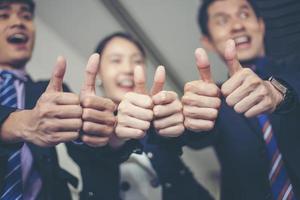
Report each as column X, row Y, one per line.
column 102, row 44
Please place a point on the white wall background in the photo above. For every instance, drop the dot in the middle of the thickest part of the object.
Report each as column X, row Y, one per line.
column 72, row 28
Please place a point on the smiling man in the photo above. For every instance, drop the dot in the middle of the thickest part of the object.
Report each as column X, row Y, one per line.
column 252, row 119
column 36, row 116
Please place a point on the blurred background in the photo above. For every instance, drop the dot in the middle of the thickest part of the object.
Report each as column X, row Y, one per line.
column 167, row 29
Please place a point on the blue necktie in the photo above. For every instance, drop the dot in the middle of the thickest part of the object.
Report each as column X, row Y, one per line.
column 280, row 184
column 12, row 189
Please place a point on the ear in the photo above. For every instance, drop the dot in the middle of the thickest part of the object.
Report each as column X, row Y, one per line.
column 207, row 44
column 262, row 25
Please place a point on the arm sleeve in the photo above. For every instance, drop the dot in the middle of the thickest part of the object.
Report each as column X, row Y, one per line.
column 5, row 149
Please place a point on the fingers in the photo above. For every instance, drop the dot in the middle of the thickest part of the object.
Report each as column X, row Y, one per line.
column 242, row 91
column 198, row 124
column 56, row 81
column 140, row 100
column 139, row 80
column 126, row 133
column 195, row 100
column 159, row 80
column 200, row 113
column 167, row 109
column 96, row 116
column 164, row 97
column 98, row 103
column 95, row 141
column 91, row 71
column 135, row 111
column 230, row 56
column 170, row 121
column 201, row 103
column 203, row 65
column 202, row 88
column 98, row 119
column 173, row 131
column 62, row 125
column 62, row 98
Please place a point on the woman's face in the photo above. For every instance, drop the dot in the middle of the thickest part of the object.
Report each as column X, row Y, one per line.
column 118, row 60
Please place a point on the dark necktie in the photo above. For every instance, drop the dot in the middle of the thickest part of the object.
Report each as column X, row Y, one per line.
column 12, row 188
column 281, row 186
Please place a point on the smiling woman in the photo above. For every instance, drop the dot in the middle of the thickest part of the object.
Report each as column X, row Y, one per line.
column 158, row 168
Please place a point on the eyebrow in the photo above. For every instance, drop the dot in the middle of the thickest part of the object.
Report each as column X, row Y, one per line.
column 26, row 8
column 220, row 14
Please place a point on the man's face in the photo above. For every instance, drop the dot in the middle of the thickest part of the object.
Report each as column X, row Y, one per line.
column 235, row 19
column 17, row 34
column 118, row 60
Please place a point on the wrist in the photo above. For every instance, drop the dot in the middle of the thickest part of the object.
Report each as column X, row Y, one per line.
column 115, row 142
column 11, row 129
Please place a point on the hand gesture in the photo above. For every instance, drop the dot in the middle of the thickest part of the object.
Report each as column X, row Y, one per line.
column 98, row 112
column 135, row 110
column 167, row 110
column 245, row 91
column 57, row 115
column 201, row 100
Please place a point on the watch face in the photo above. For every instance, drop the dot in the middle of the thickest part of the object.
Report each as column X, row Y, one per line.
column 289, row 96
column 280, row 87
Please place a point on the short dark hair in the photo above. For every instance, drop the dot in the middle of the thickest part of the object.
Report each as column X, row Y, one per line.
column 202, row 17
column 30, row 3
column 102, row 44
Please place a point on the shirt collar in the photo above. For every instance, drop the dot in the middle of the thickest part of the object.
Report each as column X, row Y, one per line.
column 19, row 73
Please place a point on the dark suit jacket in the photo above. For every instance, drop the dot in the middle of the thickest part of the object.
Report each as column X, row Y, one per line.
column 282, row 27
column 45, row 159
column 100, row 172
column 241, row 149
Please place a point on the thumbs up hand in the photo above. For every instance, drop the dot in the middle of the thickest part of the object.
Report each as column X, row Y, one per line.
column 168, row 117
column 201, row 99
column 245, row 91
column 57, row 115
column 98, row 112
column 135, row 110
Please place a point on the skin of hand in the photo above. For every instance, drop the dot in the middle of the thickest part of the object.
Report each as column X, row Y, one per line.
column 244, row 90
column 135, row 110
column 98, row 112
column 56, row 117
column 138, row 109
column 167, row 109
column 201, row 99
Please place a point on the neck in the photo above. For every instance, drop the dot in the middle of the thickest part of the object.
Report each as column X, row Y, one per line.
column 18, row 66
column 252, row 61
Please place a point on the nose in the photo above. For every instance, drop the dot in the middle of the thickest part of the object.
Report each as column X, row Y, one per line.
column 237, row 25
column 128, row 67
column 15, row 20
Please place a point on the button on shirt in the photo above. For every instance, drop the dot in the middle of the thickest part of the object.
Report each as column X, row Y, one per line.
column 32, row 182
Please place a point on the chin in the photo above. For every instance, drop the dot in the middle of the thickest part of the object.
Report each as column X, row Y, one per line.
column 20, row 62
column 246, row 56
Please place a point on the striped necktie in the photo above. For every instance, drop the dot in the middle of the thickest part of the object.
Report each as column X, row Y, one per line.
column 12, row 189
column 280, row 184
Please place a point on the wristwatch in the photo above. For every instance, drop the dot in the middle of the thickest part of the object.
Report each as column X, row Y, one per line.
column 289, row 96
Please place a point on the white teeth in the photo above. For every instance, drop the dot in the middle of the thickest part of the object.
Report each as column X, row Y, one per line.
column 242, row 39
column 126, row 83
column 19, row 36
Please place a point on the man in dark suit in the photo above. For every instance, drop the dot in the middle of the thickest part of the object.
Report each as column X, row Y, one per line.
column 48, row 114
column 252, row 119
